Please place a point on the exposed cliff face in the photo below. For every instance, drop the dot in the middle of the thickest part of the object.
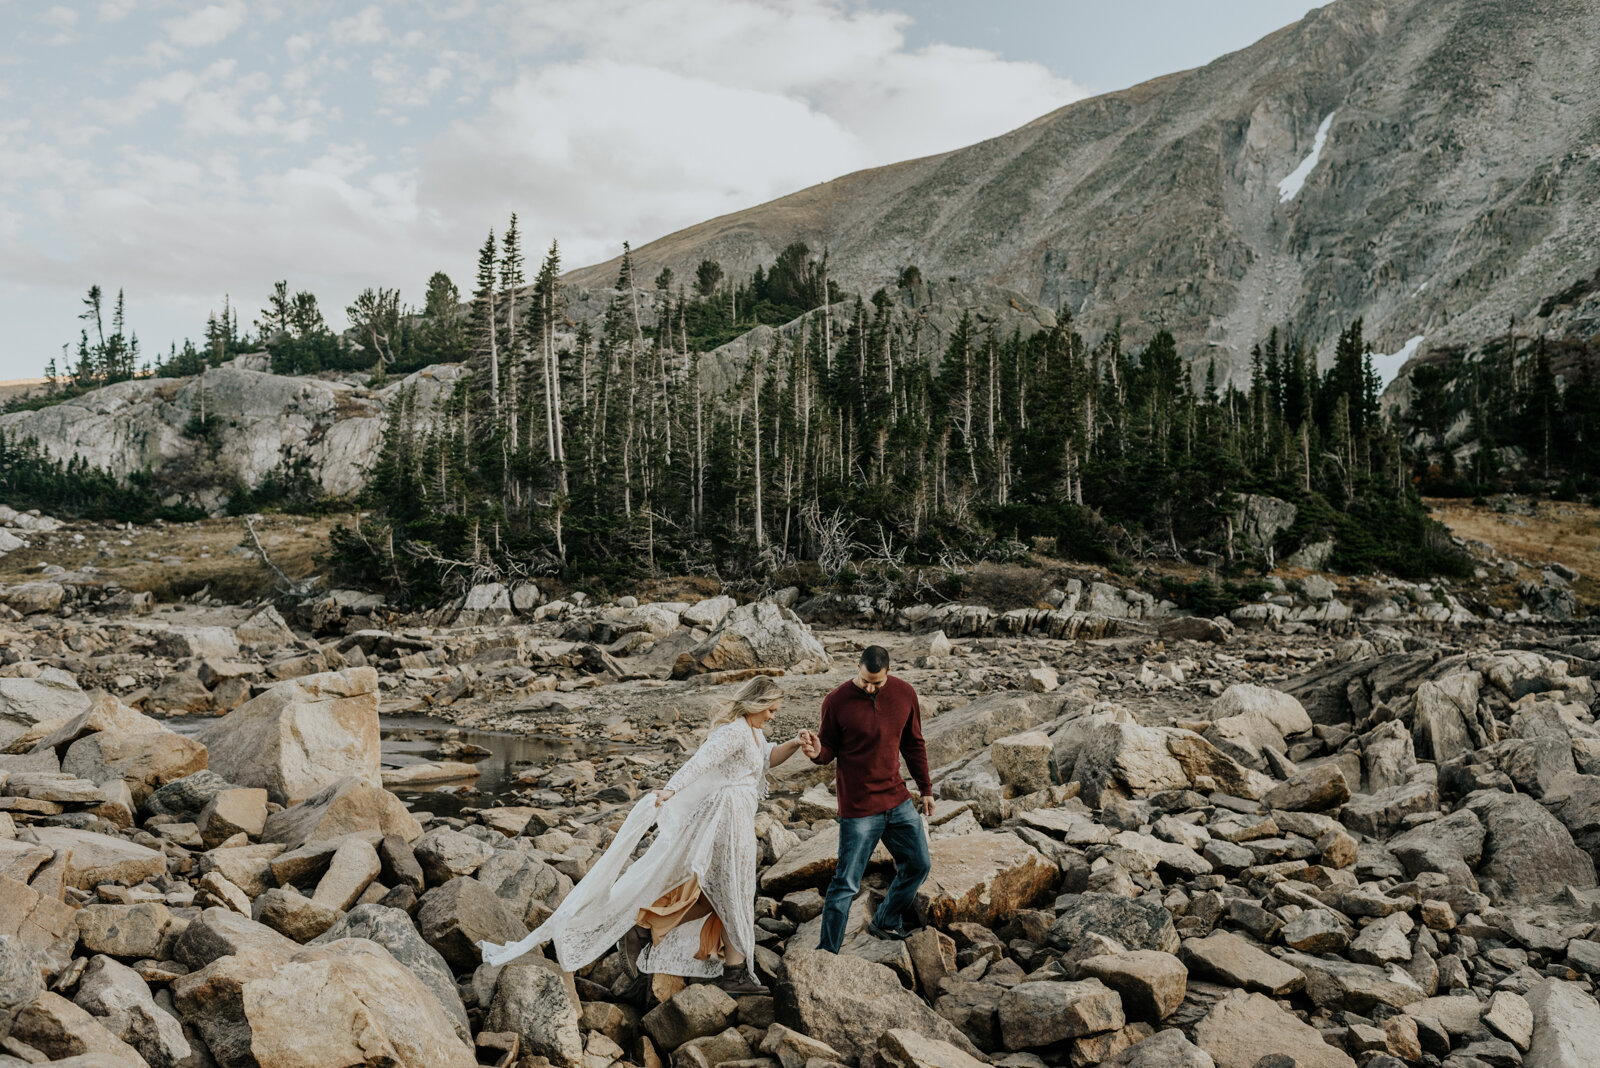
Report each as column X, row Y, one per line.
column 1457, row 184
column 265, row 422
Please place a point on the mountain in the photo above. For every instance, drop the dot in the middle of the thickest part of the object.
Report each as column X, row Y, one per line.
column 1430, row 165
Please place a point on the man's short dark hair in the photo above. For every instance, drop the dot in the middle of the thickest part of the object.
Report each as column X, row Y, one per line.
column 875, row 658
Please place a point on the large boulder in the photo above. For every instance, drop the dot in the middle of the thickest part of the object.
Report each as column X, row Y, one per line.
column 1566, row 1026
column 1282, row 710
column 1452, row 846
column 755, row 635
column 978, row 878
column 345, row 807
column 105, row 713
column 20, row 982
column 530, row 1000
column 121, row 1000
column 1242, row 1029
column 848, row 1003
column 301, row 735
column 1442, row 709
column 455, row 917
column 1152, row 984
column 812, row 863
column 1135, row 922
column 146, row 761
column 349, row 1003
column 220, row 932
column 25, row 703
column 393, row 930
column 1038, row 1014
column 1528, row 855
column 60, row 1030
column 102, row 858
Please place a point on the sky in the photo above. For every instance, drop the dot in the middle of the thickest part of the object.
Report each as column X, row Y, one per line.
column 188, row 153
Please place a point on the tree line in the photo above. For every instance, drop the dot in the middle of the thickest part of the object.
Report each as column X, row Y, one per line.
column 852, row 447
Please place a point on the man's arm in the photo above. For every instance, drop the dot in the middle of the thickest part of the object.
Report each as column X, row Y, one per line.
column 827, row 735
column 915, row 750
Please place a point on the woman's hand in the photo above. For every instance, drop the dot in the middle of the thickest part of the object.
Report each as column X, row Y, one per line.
column 662, row 797
column 810, row 744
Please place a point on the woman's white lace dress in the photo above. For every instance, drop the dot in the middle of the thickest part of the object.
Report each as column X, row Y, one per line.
column 705, row 830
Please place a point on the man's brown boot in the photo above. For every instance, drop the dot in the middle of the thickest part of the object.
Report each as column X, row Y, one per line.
column 741, row 982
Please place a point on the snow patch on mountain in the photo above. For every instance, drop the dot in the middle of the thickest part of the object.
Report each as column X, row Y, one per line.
column 1290, row 187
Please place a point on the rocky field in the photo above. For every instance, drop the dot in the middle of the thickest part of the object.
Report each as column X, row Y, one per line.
column 1330, row 830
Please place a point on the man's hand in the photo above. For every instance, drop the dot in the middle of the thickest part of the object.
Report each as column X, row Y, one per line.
column 927, row 804
column 662, row 796
column 810, row 744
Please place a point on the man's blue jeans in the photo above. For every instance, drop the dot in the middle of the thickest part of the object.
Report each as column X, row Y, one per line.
column 900, row 830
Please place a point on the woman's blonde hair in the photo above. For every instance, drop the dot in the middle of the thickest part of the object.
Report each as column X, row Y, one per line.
column 759, row 693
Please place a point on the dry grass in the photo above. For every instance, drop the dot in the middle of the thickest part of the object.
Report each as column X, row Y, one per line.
column 202, row 552
column 1560, row 532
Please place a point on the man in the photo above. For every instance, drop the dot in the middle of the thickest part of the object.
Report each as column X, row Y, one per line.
column 867, row 725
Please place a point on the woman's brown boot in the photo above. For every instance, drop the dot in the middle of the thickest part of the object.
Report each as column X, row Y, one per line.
column 740, row 981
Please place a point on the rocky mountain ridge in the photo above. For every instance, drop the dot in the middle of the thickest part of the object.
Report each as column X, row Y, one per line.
column 1448, row 163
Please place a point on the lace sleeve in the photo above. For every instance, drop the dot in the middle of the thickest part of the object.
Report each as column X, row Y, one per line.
column 721, row 748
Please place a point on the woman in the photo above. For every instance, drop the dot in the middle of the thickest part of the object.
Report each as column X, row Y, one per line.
column 687, row 907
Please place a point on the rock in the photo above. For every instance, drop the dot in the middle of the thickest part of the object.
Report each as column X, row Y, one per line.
column 489, row 597
column 709, row 613
column 455, row 917
column 1451, row 846
column 848, row 1003
column 1509, row 1016
column 25, row 703
column 434, row 771
column 1377, row 815
column 59, row 1029
column 100, row 858
column 902, row 1048
column 19, row 980
column 186, row 798
column 1152, row 984
column 193, row 643
column 1037, row 1014
column 444, row 854
column 1230, row 959
column 293, row 915
column 1043, row 679
column 349, row 1002
column 693, row 1012
column 1316, row 931
column 981, row 877
column 1442, row 710
column 1126, row 758
column 794, row 1050
column 122, row 1002
column 1282, row 710
column 1566, row 1030
column 1243, row 1028
column 394, row 931
column 1313, row 789
column 1384, row 941
column 349, row 806
column 301, row 736
column 33, row 919
column 1164, row 1049
column 1135, row 922
column 144, row 761
column 105, row 713
column 531, row 1000
column 755, row 635
column 1527, row 854
column 933, row 956
column 131, row 932
column 32, row 598
column 729, row 1047
column 1340, row 986
column 219, row 932
column 1025, row 762
column 211, row 1001
column 242, row 810
column 353, row 867
column 249, row 867
column 266, row 627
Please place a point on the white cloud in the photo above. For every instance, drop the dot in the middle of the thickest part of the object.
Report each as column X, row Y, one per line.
column 210, row 25
column 59, row 17
column 365, row 27
column 596, row 122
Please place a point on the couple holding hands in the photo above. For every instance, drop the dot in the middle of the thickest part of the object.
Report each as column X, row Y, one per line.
column 687, row 906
